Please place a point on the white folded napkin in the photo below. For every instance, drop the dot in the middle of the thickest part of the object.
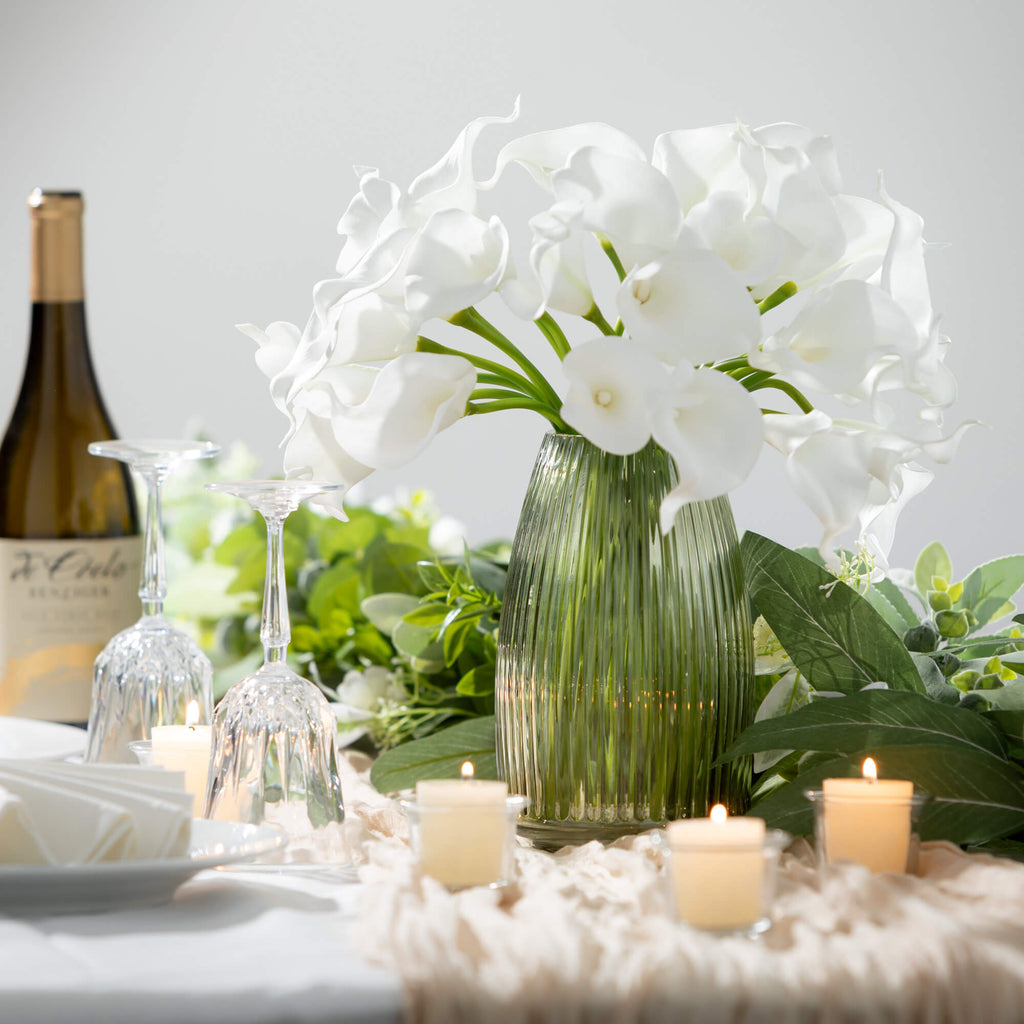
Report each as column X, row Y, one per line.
column 58, row 813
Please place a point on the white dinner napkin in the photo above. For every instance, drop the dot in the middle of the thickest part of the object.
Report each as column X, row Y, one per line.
column 79, row 814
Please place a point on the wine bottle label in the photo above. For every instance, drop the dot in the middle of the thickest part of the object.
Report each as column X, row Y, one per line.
column 60, row 602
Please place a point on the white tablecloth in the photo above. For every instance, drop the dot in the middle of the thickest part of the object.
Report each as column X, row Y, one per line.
column 583, row 937
column 232, row 947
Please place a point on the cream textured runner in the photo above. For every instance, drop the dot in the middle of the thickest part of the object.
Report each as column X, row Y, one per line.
column 586, row 935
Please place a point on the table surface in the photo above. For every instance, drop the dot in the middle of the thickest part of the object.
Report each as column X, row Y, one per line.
column 233, row 945
column 583, row 935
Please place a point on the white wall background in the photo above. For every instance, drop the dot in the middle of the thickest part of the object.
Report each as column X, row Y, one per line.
column 214, row 140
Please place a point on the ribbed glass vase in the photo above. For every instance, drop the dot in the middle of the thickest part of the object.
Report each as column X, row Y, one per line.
column 625, row 657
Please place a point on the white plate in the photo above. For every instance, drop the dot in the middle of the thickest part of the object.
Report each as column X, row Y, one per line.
column 31, row 739
column 85, row 888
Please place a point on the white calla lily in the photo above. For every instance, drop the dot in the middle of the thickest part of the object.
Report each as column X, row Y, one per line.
column 545, row 152
column 689, row 306
column 410, row 400
column 313, row 451
column 450, row 184
column 456, row 260
column 622, row 198
column 277, row 345
column 712, row 427
column 289, row 358
column 717, row 220
column 836, row 339
column 751, row 244
column 818, row 149
column 361, row 222
column 789, row 190
column 868, row 228
column 612, row 384
column 699, row 161
column 368, row 328
column 559, row 272
column 849, row 472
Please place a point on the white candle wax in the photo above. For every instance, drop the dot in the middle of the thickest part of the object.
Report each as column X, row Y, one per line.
column 868, row 821
column 185, row 748
column 718, row 871
column 462, row 830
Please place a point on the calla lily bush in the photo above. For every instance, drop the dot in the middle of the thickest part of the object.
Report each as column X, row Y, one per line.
column 720, row 292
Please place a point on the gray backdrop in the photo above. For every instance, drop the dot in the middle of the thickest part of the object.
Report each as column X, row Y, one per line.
column 214, row 143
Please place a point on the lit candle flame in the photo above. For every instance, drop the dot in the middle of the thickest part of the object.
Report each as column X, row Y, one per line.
column 467, row 769
column 719, row 814
column 870, row 770
column 192, row 714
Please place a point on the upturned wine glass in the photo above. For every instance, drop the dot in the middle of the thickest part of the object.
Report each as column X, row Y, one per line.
column 274, row 756
column 147, row 674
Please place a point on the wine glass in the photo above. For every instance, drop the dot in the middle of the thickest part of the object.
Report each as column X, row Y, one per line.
column 274, row 756
column 147, row 674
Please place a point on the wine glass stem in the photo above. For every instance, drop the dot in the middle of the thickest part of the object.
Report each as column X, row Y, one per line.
column 153, row 586
column 275, row 629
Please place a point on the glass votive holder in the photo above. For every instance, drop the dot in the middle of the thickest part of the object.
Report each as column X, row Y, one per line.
column 184, row 749
column 462, row 845
column 867, row 824
column 725, row 886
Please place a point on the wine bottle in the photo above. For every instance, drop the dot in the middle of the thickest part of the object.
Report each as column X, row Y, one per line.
column 70, row 553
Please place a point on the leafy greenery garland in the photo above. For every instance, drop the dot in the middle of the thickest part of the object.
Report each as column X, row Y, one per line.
column 934, row 694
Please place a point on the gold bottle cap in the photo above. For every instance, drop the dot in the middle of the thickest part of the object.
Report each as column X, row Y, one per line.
column 56, row 245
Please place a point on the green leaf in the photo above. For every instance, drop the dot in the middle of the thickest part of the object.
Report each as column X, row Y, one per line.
column 881, row 603
column 892, row 593
column 935, row 683
column 1011, row 722
column 477, row 682
column 340, row 538
column 933, row 561
column 391, row 568
column 431, row 614
column 371, row 646
column 385, row 611
column 305, row 638
column 1012, row 848
column 240, row 542
column 419, row 643
column 454, row 638
column 335, row 588
column 987, row 590
column 438, row 756
column 1007, row 698
column 834, row 637
column 975, row 797
column 868, row 721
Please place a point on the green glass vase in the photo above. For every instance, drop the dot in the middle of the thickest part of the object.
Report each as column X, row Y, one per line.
column 625, row 656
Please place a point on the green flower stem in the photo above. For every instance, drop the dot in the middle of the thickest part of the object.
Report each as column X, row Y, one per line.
column 741, row 373
column 492, row 393
column 728, row 365
column 777, row 297
column 609, row 251
column 500, row 404
column 786, row 388
column 755, row 379
column 596, row 317
column 493, row 373
column 470, row 319
column 556, row 337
